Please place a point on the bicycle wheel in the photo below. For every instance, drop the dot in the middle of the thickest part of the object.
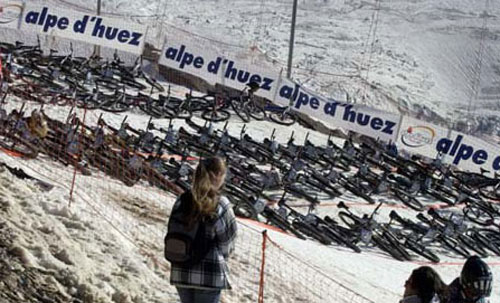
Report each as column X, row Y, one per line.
column 487, row 241
column 215, row 116
column 396, row 245
column 421, row 250
column 115, row 107
column 408, row 200
column 318, row 186
column 491, row 192
column 357, row 192
column 443, row 197
column 349, row 220
column 383, row 245
column 284, row 118
column 131, row 82
column 241, row 206
column 311, row 232
column 281, row 223
column 240, row 109
column 455, row 246
column 299, row 193
column 245, row 210
column 256, row 112
column 472, row 245
column 341, row 240
column 478, row 214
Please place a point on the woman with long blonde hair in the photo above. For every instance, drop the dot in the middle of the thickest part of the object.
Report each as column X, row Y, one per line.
column 203, row 204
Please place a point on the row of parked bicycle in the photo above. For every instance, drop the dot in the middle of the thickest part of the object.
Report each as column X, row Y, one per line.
column 112, row 86
column 265, row 178
column 262, row 173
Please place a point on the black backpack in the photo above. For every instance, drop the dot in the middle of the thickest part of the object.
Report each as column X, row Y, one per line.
column 186, row 246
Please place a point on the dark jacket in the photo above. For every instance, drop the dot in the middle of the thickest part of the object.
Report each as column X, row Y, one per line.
column 212, row 272
column 455, row 294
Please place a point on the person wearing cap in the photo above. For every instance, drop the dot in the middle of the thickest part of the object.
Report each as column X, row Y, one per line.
column 473, row 285
column 252, row 87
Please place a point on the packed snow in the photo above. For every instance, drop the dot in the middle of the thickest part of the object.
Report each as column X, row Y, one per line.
column 419, row 57
column 109, row 239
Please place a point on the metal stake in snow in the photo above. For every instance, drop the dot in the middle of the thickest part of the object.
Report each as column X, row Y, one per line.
column 292, row 39
column 79, row 155
column 262, row 267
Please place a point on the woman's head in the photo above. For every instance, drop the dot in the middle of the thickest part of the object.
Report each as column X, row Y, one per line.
column 207, row 181
column 425, row 283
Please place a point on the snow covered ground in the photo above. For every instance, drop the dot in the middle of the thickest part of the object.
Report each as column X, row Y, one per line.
column 109, row 239
column 424, row 54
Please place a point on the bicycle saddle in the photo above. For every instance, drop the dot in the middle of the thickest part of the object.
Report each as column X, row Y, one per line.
column 394, row 215
column 342, row 205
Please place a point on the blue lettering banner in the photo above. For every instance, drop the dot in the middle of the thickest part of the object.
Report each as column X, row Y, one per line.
column 202, row 59
column 191, row 55
column 357, row 118
column 105, row 31
column 455, row 148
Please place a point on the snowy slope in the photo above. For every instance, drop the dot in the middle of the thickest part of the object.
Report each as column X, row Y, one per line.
column 432, row 59
column 108, row 226
column 436, row 60
column 423, row 54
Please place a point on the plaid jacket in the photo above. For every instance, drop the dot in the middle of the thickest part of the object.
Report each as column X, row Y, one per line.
column 212, row 271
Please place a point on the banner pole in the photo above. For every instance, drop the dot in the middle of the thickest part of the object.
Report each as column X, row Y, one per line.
column 97, row 48
column 292, row 40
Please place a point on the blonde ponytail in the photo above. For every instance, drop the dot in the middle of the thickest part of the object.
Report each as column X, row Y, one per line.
column 207, row 181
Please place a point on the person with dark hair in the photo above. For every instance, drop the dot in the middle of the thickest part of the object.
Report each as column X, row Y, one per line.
column 424, row 286
column 203, row 281
column 474, row 284
column 253, row 87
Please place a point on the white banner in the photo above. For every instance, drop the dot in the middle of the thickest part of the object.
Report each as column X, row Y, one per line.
column 420, row 137
column 198, row 57
column 104, row 31
column 470, row 153
column 203, row 59
column 237, row 73
column 11, row 14
column 466, row 152
column 357, row 118
column 192, row 56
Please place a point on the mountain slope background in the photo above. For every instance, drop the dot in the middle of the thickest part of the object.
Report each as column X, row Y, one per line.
column 435, row 60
